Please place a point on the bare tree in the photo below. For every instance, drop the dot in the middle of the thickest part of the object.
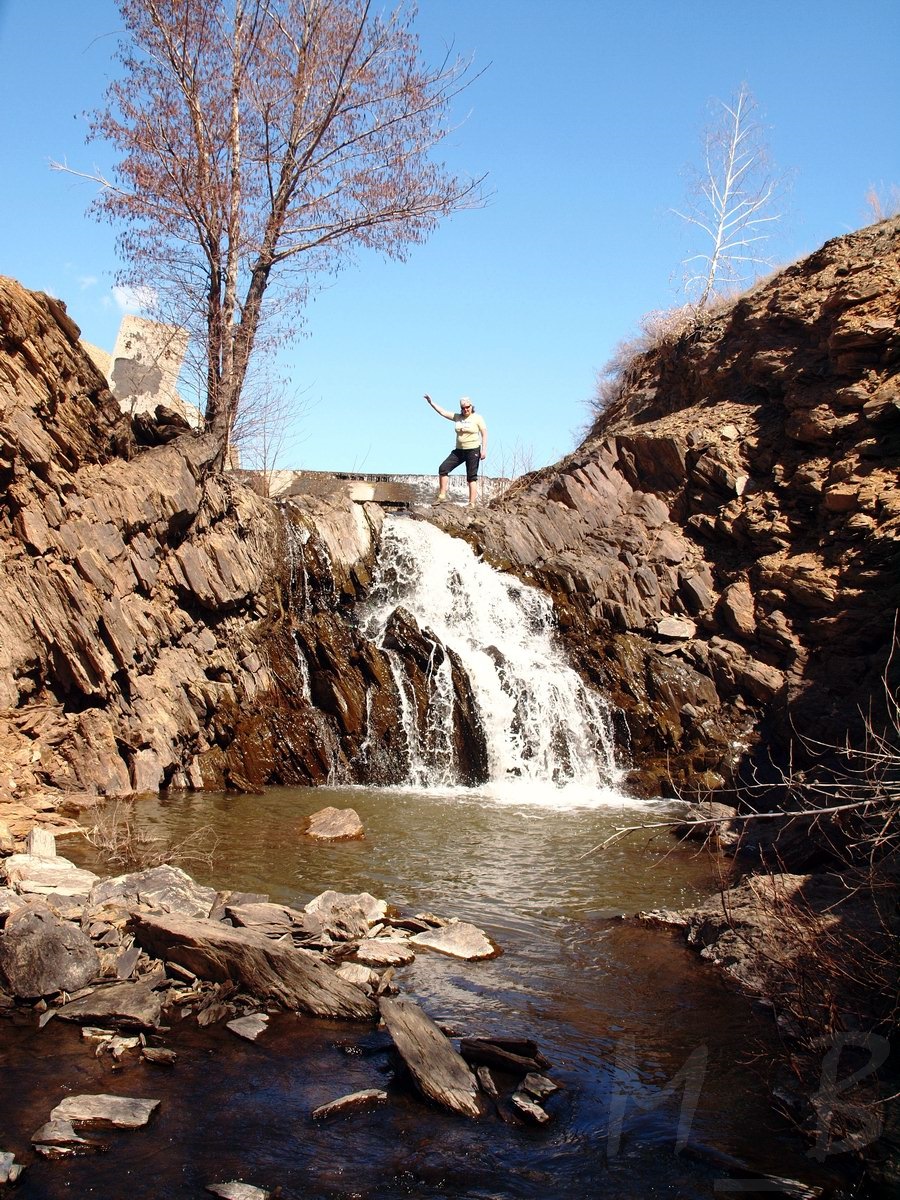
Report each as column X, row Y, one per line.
column 732, row 201
column 262, row 141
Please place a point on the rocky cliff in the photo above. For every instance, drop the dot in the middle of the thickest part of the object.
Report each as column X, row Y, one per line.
column 723, row 551
column 164, row 627
column 724, row 547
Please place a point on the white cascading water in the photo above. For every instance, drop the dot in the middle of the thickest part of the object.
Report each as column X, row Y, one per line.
column 546, row 732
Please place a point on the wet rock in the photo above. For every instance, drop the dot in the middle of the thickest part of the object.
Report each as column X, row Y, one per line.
column 525, row 1104
column 271, row 970
column 117, row 1112
column 57, row 1139
column 335, row 825
column 354, row 1102
column 40, row 954
column 238, row 1191
column 538, row 1086
column 709, row 819
column 439, row 1072
column 486, row 1082
column 516, row 1055
column 10, row 1170
column 459, row 939
column 159, row 1055
column 110, row 1043
column 249, row 1027
column 132, row 1005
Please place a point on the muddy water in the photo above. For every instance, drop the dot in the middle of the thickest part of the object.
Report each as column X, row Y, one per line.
column 618, row 1010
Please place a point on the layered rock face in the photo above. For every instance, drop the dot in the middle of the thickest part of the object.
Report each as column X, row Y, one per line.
column 724, row 547
column 723, row 551
column 124, row 642
column 139, row 596
column 164, row 627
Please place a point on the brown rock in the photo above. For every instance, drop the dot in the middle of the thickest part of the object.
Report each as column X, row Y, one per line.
column 270, row 970
column 439, row 1071
column 335, row 825
column 738, row 609
column 120, row 1005
column 40, row 954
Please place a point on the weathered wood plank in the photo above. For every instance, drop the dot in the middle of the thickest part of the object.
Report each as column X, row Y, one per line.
column 440, row 1073
column 271, row 970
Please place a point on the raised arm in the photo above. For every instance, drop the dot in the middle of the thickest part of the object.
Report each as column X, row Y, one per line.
column 441, row 412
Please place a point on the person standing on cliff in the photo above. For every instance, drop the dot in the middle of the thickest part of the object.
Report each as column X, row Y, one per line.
column 471, row 447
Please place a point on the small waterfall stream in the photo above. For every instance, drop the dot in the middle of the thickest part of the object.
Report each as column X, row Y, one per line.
column 544, row 730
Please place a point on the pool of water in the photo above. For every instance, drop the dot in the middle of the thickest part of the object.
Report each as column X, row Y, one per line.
column 664, row 1069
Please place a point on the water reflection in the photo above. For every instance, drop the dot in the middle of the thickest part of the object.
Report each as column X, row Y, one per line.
column 618, row 1010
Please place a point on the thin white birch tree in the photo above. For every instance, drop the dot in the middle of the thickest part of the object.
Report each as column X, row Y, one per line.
column 732, row 202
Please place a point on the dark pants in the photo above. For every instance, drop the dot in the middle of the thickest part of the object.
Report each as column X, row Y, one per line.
column 457, row 457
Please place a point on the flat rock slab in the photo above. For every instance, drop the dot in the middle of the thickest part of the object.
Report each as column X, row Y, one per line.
column 237, row 1191
column 167, row 888
column 125, row 1005
column 538, row 1086
column 440, row 1073
column 59, row 1134
column 459, row 939
column 116, row 1112
column 384, row 952
column 354, row 1102
column 35, row 876
column 249, row 1027
column 264, row 916
column 41, row 954
column 271, row 970
column 335, row 825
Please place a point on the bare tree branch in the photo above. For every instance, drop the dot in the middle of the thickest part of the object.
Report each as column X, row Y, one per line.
column 262, row 142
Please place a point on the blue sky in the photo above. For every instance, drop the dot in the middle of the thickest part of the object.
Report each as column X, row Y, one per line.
column 585, row 119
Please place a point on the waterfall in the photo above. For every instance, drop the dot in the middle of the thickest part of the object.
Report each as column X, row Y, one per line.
column 544, row 729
